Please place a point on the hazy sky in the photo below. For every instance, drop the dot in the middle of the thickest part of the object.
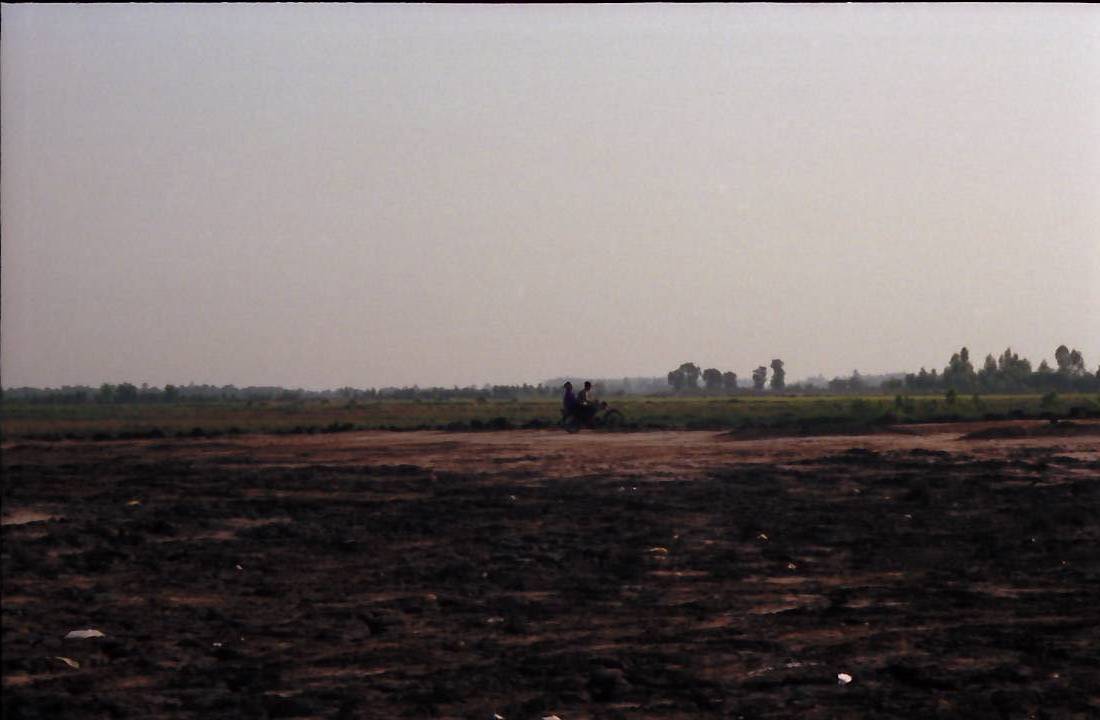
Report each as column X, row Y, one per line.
column 369, row 195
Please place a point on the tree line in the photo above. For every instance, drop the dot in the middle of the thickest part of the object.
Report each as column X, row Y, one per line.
column 1005, row 373
column 686, row 378
column 130, row 394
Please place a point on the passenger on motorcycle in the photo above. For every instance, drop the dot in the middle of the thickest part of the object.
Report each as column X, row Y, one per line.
column 587, row 405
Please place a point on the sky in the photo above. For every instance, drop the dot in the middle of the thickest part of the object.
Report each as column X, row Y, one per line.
column 324, row 195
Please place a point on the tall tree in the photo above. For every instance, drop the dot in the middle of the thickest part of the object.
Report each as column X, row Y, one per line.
column 959, row 373
column 759, row 377
column 712, row 379
column 691, row 375
column 1014, row 371
column 778, row 375
column 1061, row 356
column 1076, row 363
column 729, row 381
column 987, row 376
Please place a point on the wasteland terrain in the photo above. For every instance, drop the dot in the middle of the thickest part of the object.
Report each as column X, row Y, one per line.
column 940, row 570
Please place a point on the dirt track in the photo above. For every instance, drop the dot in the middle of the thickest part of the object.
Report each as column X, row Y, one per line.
column 526, row 574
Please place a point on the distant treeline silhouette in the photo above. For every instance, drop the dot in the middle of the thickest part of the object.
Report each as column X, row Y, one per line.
column 128, row 393
column 1007, row 373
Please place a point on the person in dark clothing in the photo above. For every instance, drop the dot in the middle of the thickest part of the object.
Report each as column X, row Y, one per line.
column 568, row 400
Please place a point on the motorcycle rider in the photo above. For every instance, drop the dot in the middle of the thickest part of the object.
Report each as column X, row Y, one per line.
column 568, row 400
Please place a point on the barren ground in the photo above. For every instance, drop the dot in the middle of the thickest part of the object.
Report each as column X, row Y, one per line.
column 527, row 574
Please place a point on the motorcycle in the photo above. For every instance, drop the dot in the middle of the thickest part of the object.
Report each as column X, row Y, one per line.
column 600, row 416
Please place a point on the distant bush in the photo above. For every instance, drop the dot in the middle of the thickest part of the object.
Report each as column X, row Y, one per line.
column 860, row 407
column 904, row 404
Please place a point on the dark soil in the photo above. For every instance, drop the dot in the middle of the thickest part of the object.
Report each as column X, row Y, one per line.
column 959, row 584
column 1056, row 428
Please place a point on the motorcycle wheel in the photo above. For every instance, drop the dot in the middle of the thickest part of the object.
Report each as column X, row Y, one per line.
column 613, row 420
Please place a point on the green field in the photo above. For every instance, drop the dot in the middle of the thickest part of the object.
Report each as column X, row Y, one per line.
column 748, row 412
